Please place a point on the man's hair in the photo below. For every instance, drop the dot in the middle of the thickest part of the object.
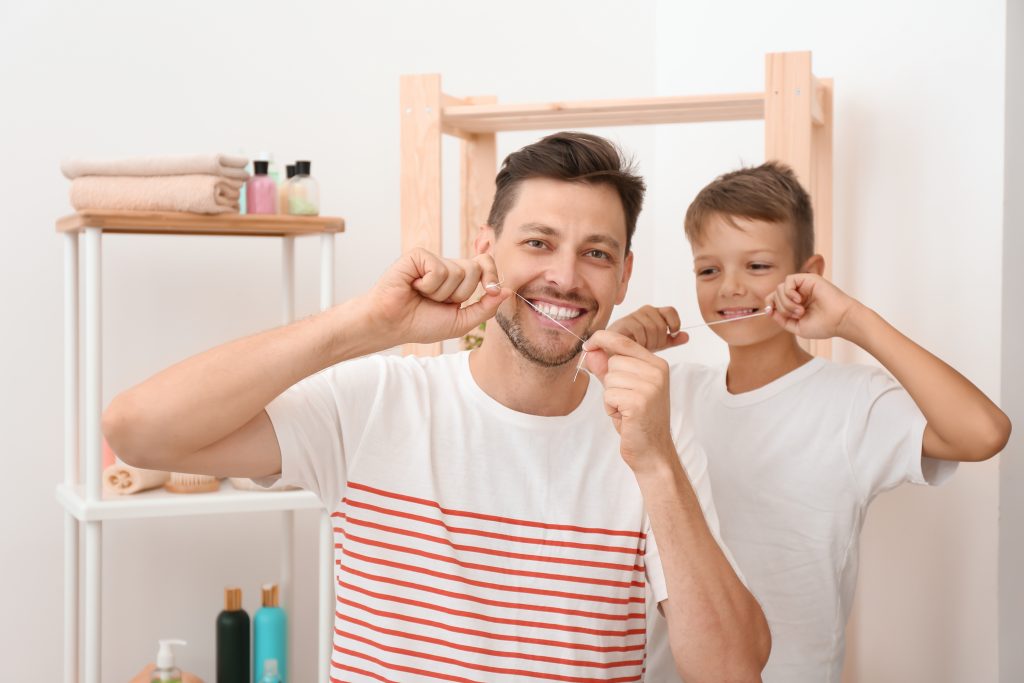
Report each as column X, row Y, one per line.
column 769, row 192
column 573, row 157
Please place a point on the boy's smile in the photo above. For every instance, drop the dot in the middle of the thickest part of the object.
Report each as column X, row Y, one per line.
column 736, row 267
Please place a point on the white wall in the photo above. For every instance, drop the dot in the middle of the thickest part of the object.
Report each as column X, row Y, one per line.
column 312, row 80
column 918, row 229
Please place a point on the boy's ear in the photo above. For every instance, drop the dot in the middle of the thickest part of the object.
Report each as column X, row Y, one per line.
column 484, row 241
column 815, row 264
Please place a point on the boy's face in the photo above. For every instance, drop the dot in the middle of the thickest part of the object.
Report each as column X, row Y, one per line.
column 736, row 268
column 563, row 248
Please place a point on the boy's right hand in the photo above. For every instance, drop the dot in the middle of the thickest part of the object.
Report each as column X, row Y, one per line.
column 419, row 299
column 652, row 328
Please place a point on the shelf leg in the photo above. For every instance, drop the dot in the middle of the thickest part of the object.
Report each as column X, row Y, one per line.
column 92, row 622
column 328, row 598
column 286, row 582
column 70, row 598
column 288, row 279
column 326, row 270
column 93, row 365
column 71, row 470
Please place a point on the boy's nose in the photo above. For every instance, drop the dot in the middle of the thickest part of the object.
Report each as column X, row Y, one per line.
column 733, row 285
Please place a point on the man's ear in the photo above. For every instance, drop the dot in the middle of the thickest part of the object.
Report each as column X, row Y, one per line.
column 815, row 264
column 485, row 239
column 627, row 272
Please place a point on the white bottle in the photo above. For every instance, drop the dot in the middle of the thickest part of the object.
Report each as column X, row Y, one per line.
column 166, row 671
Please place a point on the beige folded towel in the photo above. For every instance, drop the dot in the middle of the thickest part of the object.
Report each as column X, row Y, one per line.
column 189, row 193
column 194, row 164
column 120, row 479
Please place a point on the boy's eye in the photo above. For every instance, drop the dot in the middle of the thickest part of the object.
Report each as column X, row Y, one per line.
column 705, row 271
column 760, row 266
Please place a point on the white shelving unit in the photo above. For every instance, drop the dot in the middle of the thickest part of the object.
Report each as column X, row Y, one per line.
column 81, row 492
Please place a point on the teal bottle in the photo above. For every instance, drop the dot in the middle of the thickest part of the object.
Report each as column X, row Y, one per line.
column 270, row 635
column 233, row 656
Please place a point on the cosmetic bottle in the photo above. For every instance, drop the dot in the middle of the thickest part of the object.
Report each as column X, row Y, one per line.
column 166, row 671
column 303, row 192
column 260, row 191
column 233, row 640
column 270, row 674
column 270, row 635
column 282, row 189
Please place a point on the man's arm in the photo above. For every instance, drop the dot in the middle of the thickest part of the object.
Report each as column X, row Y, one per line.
column 717, row 630
column 206, row 414
column 963, row 423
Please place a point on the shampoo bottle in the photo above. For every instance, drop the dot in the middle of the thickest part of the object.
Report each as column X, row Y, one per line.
column 270, row 674
column 303, row 192
column 261, row 191
column 282, row 189
column 233, row 640
column 166, row 671
column 270, row 635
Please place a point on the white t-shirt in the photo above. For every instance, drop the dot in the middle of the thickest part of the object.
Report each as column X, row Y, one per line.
column 794, row 465
column 474, row 542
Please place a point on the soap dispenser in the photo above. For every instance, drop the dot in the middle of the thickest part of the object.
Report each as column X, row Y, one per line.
column 166, row 671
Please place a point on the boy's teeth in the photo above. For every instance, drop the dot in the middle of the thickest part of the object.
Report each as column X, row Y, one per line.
column 557, row 312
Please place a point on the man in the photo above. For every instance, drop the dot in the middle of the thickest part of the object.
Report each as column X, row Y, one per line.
column 494, row 519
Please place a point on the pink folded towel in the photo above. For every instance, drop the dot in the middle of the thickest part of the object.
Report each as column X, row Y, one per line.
column 193, row 164
column 188, row 193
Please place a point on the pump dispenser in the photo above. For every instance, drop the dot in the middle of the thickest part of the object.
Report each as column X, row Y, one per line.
column 166, row 671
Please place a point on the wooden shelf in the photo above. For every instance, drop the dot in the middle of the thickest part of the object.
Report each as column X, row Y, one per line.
column 489, row 118
column 171, row 223
column 160, row 503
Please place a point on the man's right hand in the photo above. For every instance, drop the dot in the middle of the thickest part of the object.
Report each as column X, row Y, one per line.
column 652, row 328
column 420, row 298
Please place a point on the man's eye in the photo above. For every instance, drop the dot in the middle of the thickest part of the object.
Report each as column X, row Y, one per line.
column 537, row 244
column 597, row 253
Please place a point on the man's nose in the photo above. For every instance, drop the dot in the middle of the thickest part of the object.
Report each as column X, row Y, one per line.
column 561, row 270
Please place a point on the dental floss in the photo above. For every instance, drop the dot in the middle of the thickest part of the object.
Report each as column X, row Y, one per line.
column 582, row 340
column 767, row 311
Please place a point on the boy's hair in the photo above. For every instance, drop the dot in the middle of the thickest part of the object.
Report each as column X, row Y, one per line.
column 573, row 157
column 769, row 192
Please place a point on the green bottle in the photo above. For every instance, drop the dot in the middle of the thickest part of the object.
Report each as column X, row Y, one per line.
column 233, row 640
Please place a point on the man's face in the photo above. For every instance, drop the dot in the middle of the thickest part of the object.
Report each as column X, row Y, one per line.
column 563, row 248
column 736, row 268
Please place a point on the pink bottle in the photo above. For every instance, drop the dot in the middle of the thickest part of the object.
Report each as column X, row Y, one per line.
column 261, row 190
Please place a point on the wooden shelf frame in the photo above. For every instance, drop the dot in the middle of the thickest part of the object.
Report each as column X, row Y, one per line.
column 795, row 106
column 80, row 494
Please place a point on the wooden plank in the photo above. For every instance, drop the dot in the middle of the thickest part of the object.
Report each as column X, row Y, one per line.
column 420, row 111
column 173, row 223
column 479, row 154
column 636, row 111
column 787, row 111
column 821, row 192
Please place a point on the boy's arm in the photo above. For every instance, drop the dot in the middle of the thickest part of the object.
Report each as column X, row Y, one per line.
column 207, row 414
column 717, row 631
column 963, row 424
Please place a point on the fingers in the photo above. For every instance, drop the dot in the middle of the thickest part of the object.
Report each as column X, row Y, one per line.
column 447, row 280
column 651, row 327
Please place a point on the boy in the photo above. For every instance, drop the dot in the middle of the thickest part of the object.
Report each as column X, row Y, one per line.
column 799, row 446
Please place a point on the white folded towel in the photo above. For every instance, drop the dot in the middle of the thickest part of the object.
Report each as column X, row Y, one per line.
column 224, row 165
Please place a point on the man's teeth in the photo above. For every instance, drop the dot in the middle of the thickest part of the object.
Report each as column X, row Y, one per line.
column 558, row 312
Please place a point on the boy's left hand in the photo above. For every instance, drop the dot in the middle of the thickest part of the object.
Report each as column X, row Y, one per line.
column 811, row 307
column 636, row 395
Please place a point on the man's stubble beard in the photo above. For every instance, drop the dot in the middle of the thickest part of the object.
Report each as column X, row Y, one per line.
column 527, row 349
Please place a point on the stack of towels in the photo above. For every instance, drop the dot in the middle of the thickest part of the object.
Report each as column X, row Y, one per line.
column 202, row 183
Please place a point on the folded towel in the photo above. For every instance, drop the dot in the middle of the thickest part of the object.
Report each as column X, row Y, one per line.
column 194, row 164
column 189, row 193
column 120, row 479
